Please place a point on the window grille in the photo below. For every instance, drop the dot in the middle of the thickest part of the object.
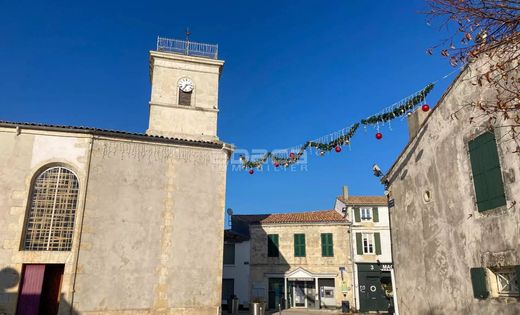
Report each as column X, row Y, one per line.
column 507, row 283
column 50, row 219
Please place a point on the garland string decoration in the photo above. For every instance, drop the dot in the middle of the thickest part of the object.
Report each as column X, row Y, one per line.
column 401, row 109
column 340, row 138
column 294, row 157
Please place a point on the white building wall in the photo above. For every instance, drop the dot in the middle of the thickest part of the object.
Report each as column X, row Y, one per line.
column 239, row 272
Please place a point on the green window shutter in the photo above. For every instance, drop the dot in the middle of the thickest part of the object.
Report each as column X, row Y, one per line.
column 377, row 243
column 487, row 176
column 299, row 245
column 327, row 247
column 229, row 254
column 359, row 244
column 478, row 281
column 375, row 214
column 517, row 270
column 357, row 215
column 272, row 245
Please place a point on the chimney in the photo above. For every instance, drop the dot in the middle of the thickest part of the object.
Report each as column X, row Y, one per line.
column 415, row 121
column 345, row 192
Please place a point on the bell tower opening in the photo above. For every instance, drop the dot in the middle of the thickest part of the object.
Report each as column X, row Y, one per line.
column 184, row 96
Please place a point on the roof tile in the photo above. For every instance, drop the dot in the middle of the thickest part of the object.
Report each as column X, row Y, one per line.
column 364, row 200
column 296, row 217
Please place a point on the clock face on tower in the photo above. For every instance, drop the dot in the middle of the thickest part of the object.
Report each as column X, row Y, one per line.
column 186, row 85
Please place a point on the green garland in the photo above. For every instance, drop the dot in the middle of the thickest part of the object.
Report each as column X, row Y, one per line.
column 401, row 110
column 323, row 147
column 342, row 140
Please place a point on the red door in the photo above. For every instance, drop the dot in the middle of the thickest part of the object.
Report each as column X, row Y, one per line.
column 30, row 290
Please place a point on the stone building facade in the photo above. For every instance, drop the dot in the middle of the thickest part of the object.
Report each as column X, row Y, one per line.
column 299, row 260
column 455, row 221
column 371, row 250
column 101, row 222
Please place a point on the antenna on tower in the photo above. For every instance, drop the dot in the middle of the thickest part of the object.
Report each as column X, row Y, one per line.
column 229, row 212
column 188, row 33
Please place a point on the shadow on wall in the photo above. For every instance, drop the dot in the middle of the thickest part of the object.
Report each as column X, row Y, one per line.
column 40, row 295
column 269, row 266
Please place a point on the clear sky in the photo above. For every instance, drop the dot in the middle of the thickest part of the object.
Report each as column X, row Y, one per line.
column 295, row 70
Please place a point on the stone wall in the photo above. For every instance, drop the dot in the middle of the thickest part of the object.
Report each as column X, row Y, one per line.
column 437, row 239
column 150, row 237
column 22, row 157
column 312, row 262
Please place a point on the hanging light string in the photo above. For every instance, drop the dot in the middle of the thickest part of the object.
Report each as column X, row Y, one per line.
column 342, row 137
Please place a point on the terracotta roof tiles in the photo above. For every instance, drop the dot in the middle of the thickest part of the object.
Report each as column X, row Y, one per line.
column 365, row 200
column 323, row 216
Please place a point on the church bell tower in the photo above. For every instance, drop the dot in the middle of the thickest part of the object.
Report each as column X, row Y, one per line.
column 184, row 97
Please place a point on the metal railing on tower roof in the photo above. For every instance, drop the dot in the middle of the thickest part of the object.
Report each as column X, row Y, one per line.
column 186, row 47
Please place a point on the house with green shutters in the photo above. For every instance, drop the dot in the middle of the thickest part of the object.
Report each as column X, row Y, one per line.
column 298, row 259
column 456, row 212
column 370, row 244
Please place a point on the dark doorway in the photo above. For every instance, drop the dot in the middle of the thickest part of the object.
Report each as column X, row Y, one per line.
column 276, row 293
column 40, row 289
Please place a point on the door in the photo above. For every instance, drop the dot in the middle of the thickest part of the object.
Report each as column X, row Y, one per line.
column 372, row 296
column 276, row 293
column 30, row 290
column 299, row 294
column 40, row 289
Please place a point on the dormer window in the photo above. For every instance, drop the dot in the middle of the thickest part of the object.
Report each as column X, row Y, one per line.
column 185, row 91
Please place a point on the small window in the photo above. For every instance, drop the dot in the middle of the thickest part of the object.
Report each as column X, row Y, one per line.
column 487, row 175
column 184, row 98
column 272, row 245
column 327, row 246
column 366, row 214
column 328, row 293
column 368, row 243
column 299, row 245
column 229, row 254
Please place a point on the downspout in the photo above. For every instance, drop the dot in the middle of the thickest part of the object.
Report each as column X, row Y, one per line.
column 349, row 223
column 76, row 258
column 392, row 274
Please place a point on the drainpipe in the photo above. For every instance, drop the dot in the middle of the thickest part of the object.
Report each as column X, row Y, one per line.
column 349, row 223
column 392, row 274
column 76, row 260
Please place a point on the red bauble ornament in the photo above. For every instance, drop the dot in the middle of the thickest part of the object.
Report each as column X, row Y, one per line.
column 291, row 155
column 276, row 164
column 251, row 172
column 338, row 149
column 379, row 136
column 425, row 107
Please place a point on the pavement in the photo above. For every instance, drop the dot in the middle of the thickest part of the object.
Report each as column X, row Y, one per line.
column 293, row 311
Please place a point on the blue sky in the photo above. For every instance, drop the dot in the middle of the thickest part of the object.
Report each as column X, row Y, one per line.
column 295, row 70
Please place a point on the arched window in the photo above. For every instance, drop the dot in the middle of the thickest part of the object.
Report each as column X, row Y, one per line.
column 50, row 218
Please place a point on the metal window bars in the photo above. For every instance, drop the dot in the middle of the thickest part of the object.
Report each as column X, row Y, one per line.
column 50, row 221
column 187, row 47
